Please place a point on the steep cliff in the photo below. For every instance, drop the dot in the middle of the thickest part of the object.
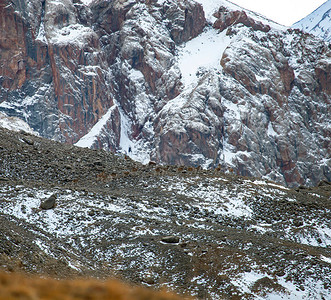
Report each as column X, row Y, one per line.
column 175, row 82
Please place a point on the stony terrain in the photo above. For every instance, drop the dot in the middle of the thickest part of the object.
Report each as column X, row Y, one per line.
column 205, row 233
column 177, row 82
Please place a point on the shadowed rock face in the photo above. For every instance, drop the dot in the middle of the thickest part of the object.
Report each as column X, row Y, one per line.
column 114, row 69
column 185, row 20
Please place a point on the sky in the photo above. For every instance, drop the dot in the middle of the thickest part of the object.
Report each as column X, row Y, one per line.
column 284, row 12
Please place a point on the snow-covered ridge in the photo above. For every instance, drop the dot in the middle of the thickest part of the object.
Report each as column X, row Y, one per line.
column 318, row 22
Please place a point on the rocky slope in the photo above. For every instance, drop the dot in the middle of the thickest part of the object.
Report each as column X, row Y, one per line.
column 318, row 22
column 204, row 233
column 186, row 83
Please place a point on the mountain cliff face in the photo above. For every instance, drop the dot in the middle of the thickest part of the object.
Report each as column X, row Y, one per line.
column 318, row 22
column 184, row 82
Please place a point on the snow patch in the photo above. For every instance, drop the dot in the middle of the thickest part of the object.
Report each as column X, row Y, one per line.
column 15, row 124
column 326, row 259
column 88, row 139
column 136, row 75
column 42, row 34
column 134, row 149
column 271, row 131
column 201, row 53
column 246, row 280
column 210, row 7
column 212, row 199
column 87, row 2
column 75, row 34
column 260, row 182
column 89, row 70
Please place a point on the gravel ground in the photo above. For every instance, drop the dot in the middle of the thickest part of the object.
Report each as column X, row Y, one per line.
column 205, row 233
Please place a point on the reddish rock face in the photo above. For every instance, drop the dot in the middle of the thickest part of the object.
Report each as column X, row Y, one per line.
column 58, row 72
column 108, row 16
column 259, row 110
column 93, row 100
column 226, row 18
column 14, row 40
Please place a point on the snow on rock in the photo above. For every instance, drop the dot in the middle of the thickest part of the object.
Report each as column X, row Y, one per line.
column 124, row 231
column 201, row 55
column 87, row 2
column 89, row 139
column 15, row 124
column 42, row 34
column 318, row 22
column 326, row 259
column 75, row 34
column 271, row 130
column 210, row 7
column 134, row 149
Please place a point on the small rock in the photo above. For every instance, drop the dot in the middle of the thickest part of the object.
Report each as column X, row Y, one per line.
column 170, row 239
column 91, row 213
column 10, row 268
column 301, row 187
column 297, row 223
column 246, row 269
column 98, row 163
column 23, row 209
column 280, row 273
column 49, row 203
column 28, row 141
column 149, row 280
column 183, row 244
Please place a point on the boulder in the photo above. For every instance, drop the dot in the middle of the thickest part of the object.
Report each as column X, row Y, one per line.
column 49, row 203
column 170, row 239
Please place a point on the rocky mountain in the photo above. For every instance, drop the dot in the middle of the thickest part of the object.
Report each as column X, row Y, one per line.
column 318, row 22
column 197, row 232
column 176, row 82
